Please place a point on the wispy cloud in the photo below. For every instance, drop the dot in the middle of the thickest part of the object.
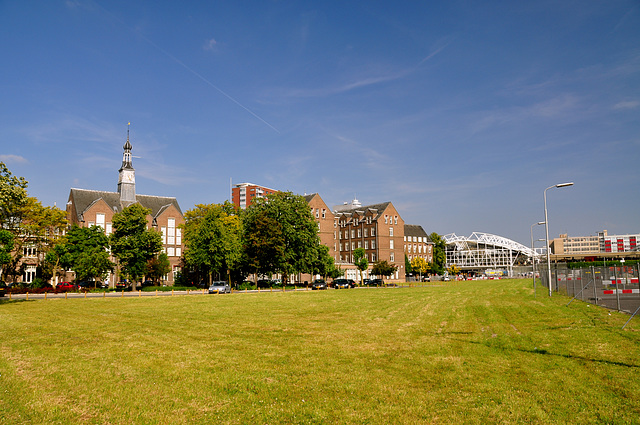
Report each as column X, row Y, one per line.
column 67, row 129
column 556, row 107
column 627, row 104
column 210, row 45
column 365, row 80
column 13, row 159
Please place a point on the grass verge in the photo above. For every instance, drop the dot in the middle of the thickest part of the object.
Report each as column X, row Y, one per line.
column 472, row 352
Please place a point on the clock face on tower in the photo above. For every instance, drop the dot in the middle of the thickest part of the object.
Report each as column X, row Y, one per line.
column 128, row 177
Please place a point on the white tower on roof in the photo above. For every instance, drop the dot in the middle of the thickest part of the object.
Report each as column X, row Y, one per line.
column 127, row 176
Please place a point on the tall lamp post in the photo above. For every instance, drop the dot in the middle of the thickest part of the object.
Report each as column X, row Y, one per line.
column 533, row 258
column 546, row 225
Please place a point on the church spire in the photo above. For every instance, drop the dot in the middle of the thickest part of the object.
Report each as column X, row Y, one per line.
column 127, row 177
column 126, row 157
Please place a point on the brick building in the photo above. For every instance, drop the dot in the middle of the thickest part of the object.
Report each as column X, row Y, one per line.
column 243, row 194
column 377, row 228
column 417, row 243
column 87, row 208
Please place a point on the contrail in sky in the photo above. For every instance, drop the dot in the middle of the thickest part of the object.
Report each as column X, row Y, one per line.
column 185, row 66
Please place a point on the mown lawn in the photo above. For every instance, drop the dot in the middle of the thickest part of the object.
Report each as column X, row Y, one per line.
column 471, row 352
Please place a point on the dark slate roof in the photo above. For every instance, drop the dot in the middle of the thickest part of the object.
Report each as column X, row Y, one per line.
column 309, row 197
column 415, row 230
column 83, row 199
column 378, row 209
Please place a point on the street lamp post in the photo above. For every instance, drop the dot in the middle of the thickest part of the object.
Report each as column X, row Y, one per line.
column 533, row 257
column 546, row 225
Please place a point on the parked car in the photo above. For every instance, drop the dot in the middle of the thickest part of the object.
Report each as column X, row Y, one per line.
column 123, row 285
column 91, row 284
column 319, row 284
column 220, row 287
column 264, row 283
column 66, row 286
column 376, row 282
column 341, row 284
column 148, row 282
column 3, row 289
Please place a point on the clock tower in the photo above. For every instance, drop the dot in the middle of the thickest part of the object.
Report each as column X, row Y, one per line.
column 127, row 177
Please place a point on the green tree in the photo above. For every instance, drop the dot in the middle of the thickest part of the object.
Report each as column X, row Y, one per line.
column 280, row 235
column 85, row 251
column 157, row 267
column 454, row 270
column 383, row 268
column 213, row 239
column 439, row 253
column 13, row 196
column 360, row 261
column 325, row 265
column 6, row 247
column 30, row 224
column 132, row 243
column 420, row 265
column 407, row 264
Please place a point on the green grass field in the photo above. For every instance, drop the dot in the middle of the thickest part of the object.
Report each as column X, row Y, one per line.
column 471, row 352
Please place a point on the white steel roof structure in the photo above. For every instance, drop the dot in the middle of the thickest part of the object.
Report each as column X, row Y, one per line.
column 484, row 250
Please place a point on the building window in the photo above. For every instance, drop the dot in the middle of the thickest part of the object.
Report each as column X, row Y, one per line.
column 29, row 251
column 171, row 231
column 100, row 220
column 359, row 244
column 109, row 229
column 163, row 229
column 392, row 257
column 373, row 256
column 391, row 244
column 390, row 231
column 373, row 231
column 366, row 244
column 395, row 220
column 353, row 246
column 366, row 233
column 373, row 244
column 359, row 233
column 324, row 213
column 178, row 236
column 353, row 233
column 171, row 251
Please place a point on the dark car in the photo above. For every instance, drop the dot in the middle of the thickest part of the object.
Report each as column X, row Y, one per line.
column 3, row 288
column 376, row 282
column 264, row 283
column 65, row 286
column 341, row 284
column 91, row 284
column 123, row 286
column 148, row 282
column 319, row 284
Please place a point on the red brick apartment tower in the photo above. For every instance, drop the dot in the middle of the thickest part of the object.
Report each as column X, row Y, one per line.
column 243, row 194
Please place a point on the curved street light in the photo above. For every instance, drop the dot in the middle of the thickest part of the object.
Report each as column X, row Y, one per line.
column 546, row 225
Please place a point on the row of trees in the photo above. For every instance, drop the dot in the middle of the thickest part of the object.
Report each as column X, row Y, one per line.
column 274, row 236
column 27, row 227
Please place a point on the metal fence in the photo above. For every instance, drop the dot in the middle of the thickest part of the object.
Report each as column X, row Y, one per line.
column 615, row 287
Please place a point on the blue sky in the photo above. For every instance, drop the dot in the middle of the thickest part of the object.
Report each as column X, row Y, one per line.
column 461, row 113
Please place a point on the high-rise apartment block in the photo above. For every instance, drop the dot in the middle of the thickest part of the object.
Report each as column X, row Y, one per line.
column 243, row 194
